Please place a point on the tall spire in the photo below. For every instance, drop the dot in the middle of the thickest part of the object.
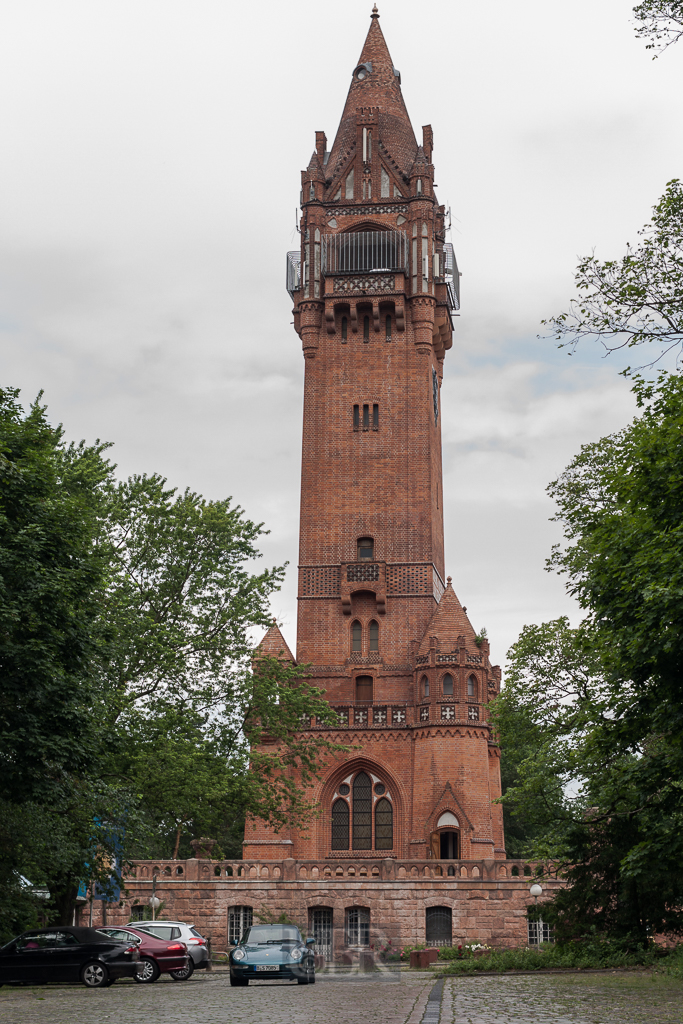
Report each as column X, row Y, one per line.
column 376, row 83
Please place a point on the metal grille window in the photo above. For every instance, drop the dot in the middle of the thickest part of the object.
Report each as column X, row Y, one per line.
column 539, row 932
column 365, row 251
column 356, row 637
column 357, row 926
column 439, row 926
column 239, row 919
column 321, row 926
column 374, row 636
column 362, row 813
column 384, row 825
column 340, row 825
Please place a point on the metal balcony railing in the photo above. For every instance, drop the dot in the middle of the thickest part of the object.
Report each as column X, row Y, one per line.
column 364, row 252
column 452, row 276
column 293, row 272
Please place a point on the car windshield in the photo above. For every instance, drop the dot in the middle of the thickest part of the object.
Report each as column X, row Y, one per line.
column 261, row 934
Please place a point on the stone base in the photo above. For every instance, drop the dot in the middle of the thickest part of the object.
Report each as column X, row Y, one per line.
column 488, row 903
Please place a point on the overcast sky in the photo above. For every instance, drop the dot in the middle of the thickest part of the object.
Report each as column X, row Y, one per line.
column 148, row 189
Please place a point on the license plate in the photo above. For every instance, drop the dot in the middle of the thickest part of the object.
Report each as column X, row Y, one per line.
column 267, row 967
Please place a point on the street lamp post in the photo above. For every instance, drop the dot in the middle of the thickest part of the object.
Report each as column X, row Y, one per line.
column 154, row 900
column 536, row 890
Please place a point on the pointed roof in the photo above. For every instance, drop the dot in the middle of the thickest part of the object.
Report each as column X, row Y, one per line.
column 380, row 88
column 448, row 623
column 274, row 645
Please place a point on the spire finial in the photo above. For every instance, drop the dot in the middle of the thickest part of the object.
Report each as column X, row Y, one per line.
column 448, row 579
column 375, row 12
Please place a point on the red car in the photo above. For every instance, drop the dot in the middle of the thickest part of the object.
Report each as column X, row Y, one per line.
column 157, row 956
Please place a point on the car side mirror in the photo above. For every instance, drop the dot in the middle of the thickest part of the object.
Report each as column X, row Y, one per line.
column 310, row 943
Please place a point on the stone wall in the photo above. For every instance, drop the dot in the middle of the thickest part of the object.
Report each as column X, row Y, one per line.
column 487, row 900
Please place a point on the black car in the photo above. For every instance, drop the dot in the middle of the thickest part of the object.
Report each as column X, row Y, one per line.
column 272, row 952
column 67, row 954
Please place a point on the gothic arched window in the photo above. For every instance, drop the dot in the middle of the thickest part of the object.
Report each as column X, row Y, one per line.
column 471, row 687
column 447, row 685
column 424, row 684
column 356, row 637
column 384, row 825
column 340, row 825
column 362, row 812
column 374, row 636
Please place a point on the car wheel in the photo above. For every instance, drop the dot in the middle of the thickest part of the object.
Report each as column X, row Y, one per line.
column 183, row 973
column 95, row 976
column 148, row 971
column 238, row 981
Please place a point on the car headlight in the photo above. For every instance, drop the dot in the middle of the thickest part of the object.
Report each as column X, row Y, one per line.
column 295, row 954
column 238, row 954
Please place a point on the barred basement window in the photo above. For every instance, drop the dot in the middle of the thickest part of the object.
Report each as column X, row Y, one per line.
column 448, row 685
column 374, row 636
column 366, row 417
column 344, row 328
column 539, row 932
column 340, row 825
column 384, row 825
column 387, row 328
column 357, row 926
column 366, row 328
column 439, row 926
column 239, row 919
column 375, row 417
column 356, row 417
column 356, row 638
column 362, row 813
column 321, row 926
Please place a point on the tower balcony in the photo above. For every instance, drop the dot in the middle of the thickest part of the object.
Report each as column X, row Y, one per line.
column 365, row 252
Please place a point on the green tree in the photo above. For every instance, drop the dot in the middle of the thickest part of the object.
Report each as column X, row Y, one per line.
column 659, row 21
column 607, row 697
column 638, row 299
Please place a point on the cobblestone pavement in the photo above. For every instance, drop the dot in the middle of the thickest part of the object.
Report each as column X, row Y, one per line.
column 564, row 999
column 408, row 998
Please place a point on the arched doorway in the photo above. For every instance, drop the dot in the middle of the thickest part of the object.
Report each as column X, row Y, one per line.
column 445, row 840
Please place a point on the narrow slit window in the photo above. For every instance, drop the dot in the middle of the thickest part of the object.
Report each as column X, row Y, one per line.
column 344, row 328
column 375, row 417
column 364, row 689
column 425, row 686
column 366, row 328
column 356, row 417
column 387, row 328
column 356, row 638
column 374, row 636
column 419, row 186
column 448, row 686
column 340, row 825
column 366, row 417
column 384, row 825
column 362, row 812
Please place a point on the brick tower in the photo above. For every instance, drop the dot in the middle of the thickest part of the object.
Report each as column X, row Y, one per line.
column 375, row 286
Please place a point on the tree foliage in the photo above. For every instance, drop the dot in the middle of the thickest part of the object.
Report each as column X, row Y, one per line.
column 660, row 22
column 131, row 714
column 606, row 698
column 638, row 299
